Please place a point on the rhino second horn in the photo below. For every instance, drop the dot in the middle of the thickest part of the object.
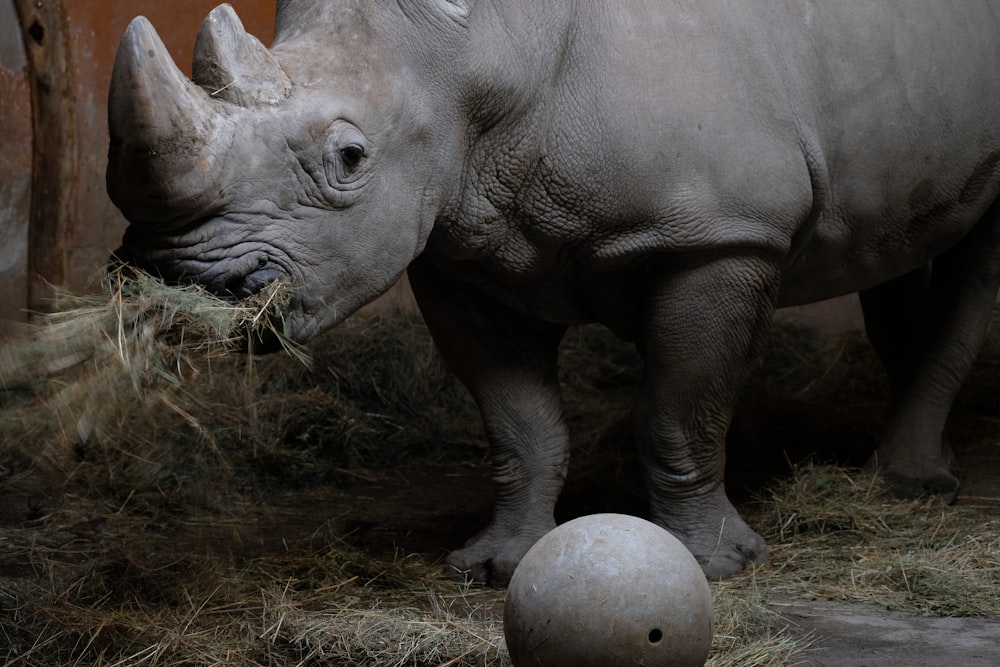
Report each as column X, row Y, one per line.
column 161, row 126
column 231, row 64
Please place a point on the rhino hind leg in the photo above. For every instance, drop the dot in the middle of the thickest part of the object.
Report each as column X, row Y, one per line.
column 508, row 363
column 927, row 328
column 913, row 455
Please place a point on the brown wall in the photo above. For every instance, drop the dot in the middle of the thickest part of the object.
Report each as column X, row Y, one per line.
column 54, row 79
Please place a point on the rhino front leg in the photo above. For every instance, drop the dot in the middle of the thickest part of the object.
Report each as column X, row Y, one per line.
column 508, row 363
column 928, row 327
column 702, row 334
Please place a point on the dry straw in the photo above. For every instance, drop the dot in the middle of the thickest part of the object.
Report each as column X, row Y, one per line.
column 139, row 456
column 95, row 358
column 839, row 535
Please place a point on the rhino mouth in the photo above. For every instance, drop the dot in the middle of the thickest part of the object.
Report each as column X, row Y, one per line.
column 233, row 281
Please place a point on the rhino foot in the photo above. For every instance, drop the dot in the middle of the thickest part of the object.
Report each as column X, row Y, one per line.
column 722, row 543
column 918, row 481
column 492, row 556
column 944, row 484
column 911, row 477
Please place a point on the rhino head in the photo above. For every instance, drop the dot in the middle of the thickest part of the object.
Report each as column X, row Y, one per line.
column 319, row 162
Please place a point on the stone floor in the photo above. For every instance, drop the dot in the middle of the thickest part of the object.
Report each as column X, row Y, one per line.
column 852, row 636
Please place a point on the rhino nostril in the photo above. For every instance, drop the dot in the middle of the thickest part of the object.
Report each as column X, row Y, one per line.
column 239, row 289
column 246, row 286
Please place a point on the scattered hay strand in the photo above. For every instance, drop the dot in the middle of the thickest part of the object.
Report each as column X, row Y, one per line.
column 398, row 635
column 748, row 631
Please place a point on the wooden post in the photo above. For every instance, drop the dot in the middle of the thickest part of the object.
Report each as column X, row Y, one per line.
column 54, row 168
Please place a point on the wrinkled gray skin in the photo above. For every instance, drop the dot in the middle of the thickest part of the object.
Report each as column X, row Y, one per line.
column 673, row 170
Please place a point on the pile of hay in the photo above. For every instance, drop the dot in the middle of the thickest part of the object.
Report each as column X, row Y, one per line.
column 837, row 534
column 139, row 392
column 144, row 534
column 96, row 361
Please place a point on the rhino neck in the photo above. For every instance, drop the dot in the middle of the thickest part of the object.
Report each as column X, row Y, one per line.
column 512, row 57
column 516, row 51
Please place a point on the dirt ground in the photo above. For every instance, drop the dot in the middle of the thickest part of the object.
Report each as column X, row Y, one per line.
column 431, row 511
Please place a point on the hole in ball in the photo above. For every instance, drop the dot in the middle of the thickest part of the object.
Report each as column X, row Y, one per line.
column 655, row 636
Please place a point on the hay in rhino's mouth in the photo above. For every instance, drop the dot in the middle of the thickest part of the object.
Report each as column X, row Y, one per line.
column 191, row 316
column 233, row 277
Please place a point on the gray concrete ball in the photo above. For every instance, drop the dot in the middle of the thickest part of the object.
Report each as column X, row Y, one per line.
column 608, row 590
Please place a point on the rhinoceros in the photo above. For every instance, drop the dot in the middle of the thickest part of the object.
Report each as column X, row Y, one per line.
column 673, row 170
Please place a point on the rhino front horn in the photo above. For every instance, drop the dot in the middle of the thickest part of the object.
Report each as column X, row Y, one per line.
column 231, row 64
column 161, row 127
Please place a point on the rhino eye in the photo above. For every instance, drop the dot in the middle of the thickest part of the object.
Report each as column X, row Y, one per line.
column 346, row 158
column 352, row 155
